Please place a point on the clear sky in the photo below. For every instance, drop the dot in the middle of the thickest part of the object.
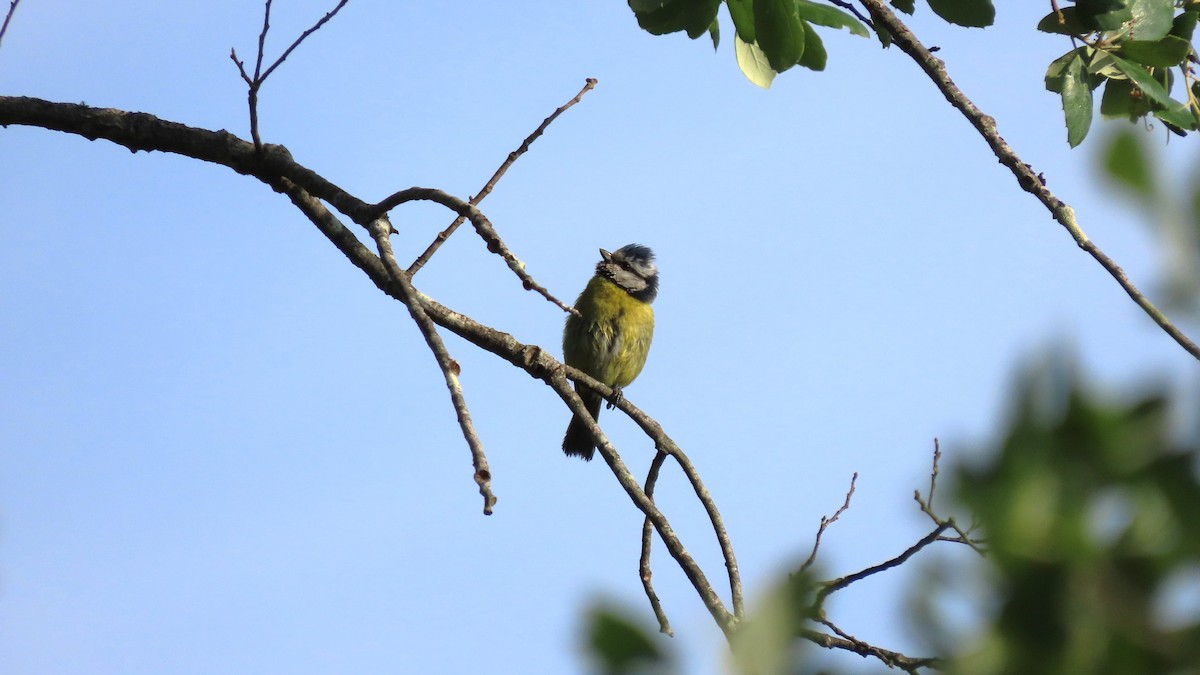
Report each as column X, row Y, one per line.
column 222, row 450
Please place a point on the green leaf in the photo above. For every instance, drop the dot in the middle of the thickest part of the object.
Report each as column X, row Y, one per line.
column 1119, row 101
column 714, row 32
column 753, row 62
column 1056, row 72
column 1185, row 25
column 885, row 38
column 1151, row 19
column 1151, row 87
column 766, row 642
column 1164, row 53
column 1077, row 101
column 1103, row 14
column 742, row 13
column 1126, row 163
column 1179, row 117
column 970, row 13
column 831, row 17
column 1069, row 25
column 620, row 645
column 660, row 17
column 905, row 6
column 780, row 32
column 814, row 50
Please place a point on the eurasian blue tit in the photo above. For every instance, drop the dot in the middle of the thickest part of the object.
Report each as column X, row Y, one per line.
column 611, row 337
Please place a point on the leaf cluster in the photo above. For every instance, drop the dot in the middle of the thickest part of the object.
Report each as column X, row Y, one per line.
column 772, row 36
column 1135, row 50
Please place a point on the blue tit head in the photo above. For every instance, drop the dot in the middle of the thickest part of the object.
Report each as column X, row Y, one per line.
column 632, row 268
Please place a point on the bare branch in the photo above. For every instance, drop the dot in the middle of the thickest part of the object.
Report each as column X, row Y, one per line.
column 892, row 659
column 663, row 443
column 1029, row 181
column 487, row 188
column 831, row 587
column 12, row 8
column 827, row 521
column 255, row 83
column 380, row 231
column 664, row 625
column 262, row 42
column 926, row 504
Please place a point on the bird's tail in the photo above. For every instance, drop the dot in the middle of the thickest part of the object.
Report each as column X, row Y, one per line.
column 578, row 442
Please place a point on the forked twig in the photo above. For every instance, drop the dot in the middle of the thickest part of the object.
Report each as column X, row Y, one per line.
column 926, row 504
column 487, row 188
column 482, row 225
column 260, row 76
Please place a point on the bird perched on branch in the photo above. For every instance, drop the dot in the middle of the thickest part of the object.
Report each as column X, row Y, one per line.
column 610, row 338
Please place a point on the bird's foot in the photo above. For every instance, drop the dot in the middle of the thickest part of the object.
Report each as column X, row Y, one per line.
column 617, row 397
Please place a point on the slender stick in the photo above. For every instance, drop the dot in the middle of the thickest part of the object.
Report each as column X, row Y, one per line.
column 487, row 188
column 380, row 231
column 664, row 626
column 826, row 521
column 12, row 8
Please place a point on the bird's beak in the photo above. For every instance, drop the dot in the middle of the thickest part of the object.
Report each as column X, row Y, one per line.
column 605, row 255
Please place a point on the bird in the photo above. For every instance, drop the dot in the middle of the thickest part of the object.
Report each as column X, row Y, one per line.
column 610, row 337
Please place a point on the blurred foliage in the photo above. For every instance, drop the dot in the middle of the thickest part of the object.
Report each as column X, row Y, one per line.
column 1168, row 199
column 620, row 645
column 1091, row 513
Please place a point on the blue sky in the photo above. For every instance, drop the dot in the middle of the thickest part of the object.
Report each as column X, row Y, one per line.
column 224, row 450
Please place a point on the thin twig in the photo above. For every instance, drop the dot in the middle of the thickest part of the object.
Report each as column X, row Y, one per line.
column 1026, row 177
column 827, row 521
column 853, row 10
column 315, row 27
column 483, row 476
column 12, row 8
column 831, row 587
column 891, row 659
column 256, row 82
column 262, row 41
column 664, row 625
column 482, row 225
column 926, row 504
column 487, row 188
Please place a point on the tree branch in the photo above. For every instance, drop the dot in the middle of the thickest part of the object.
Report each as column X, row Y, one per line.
column 892, row 659
column 1026, row 178
column 380, row 231
column 482, row 225
column 664, row 626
